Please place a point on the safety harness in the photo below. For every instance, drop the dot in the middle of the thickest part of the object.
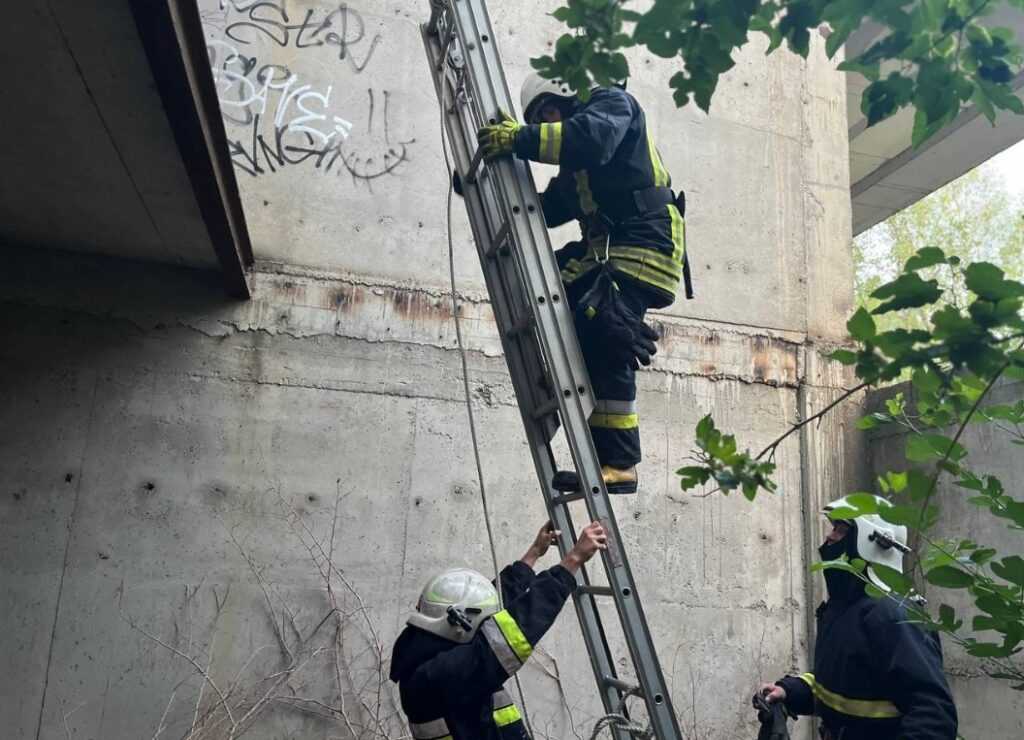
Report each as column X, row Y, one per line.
column 602, row 219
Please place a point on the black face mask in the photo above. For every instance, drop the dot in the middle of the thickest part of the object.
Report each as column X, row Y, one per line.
column 842, row 586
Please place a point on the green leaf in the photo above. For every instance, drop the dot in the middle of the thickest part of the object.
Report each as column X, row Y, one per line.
column 988, row 281
column 897, row 481
column 861, row 326
column 926, row 380
column 918, row 484
column 909, row 516
column 871, row 421
column 925, row 447
column 882, row 98
column 948, row 576
column 906, row 291
column 843, row 356
column 693, row 476
column 865, row 503
column 705, row 427
column 892, row 578
column 983, row 555
column 1010, row 569
column 987, row 650
column 926, row 257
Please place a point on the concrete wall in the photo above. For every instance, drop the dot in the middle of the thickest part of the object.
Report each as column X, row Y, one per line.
column 988, row 707
column 173, row 461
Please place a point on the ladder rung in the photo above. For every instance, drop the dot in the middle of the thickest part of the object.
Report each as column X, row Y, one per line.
column 622, row 686
column 596, row 590
column 559, row 499
column 498, row 245
column 545, row 409
column 474, row 165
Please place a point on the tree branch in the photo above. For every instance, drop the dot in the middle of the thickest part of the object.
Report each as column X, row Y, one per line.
column 800, row 425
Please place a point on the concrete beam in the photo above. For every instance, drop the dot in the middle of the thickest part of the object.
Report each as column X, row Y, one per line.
column 172, row 33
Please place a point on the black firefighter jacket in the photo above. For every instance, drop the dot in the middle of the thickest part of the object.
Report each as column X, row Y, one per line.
column 876, row 677
column 455, row 691
column 606, row 159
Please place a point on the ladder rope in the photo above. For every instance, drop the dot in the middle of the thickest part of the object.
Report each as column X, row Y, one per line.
column 469, row 396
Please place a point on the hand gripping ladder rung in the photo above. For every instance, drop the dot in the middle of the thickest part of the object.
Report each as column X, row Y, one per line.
column 540, row 345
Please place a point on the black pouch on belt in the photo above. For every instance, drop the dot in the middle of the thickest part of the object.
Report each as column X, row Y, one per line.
column 609, row 327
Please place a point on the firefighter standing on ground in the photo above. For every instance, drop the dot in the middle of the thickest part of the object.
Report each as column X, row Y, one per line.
column 876, row 676
column 458, row 649
column 612, row 180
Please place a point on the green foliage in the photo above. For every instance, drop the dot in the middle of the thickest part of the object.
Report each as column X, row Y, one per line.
column 718, row 459
column 968, row 333
column 935, row 55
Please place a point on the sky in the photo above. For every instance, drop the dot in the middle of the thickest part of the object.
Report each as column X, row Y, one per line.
column 1010, row 164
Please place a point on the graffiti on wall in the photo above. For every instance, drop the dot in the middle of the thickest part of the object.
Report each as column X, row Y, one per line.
column 278, row 119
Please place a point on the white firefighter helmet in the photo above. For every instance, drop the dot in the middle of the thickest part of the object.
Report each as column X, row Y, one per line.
column 454, row 603
column 536, row 87
column 878, row 541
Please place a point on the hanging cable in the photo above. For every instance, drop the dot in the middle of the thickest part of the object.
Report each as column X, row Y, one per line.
column 467, row 392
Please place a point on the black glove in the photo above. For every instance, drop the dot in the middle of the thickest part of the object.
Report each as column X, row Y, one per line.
column 772, row 718
column 605, row 321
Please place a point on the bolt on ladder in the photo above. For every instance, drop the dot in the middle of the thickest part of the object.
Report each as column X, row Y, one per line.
column 540, row 345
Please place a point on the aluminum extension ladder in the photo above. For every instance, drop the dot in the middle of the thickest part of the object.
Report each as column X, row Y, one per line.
column 539, row 340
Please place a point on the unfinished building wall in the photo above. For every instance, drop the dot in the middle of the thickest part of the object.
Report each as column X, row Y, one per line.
column 180, row 468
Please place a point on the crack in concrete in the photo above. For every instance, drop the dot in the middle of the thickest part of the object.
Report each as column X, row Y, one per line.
column 67, row 553
column 459, row 400
column 283, row 269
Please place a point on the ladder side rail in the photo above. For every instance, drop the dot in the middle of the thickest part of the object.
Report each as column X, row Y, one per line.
column 531, row 377
column 472, row 20
column 551, row 330
column 601, row 659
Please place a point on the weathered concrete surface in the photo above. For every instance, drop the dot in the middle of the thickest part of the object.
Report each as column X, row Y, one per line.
column 203, row 436
column 987, row 707
column 362, row 186
column 183, row 421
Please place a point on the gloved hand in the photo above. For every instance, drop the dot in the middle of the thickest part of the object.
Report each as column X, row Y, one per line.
column 772, row 717
column 499, row 138
column 604, row 319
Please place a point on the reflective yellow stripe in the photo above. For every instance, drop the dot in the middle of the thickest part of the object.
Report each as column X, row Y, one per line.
column 615, row 421
column 506, row 715
column 550, row 143
column 513, row 635
column 583, row 192
column 678, row 234
column 867, row 708
column 648, row 258
column 661, row 178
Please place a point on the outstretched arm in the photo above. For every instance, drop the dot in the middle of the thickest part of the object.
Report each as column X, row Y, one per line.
column 505, row 641
column 586, row 139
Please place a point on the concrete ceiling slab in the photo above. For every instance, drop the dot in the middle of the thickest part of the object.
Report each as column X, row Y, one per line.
column 93, row 160
column 886, row 173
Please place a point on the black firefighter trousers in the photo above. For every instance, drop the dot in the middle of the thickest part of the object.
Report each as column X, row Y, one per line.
column 614, row 425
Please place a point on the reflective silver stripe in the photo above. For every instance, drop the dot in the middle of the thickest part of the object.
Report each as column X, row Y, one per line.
column 500, row 699
column 500, row 647
column 615, row 407
column 429, row 730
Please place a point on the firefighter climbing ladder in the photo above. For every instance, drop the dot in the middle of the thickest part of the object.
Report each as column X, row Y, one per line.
column 539, row 341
